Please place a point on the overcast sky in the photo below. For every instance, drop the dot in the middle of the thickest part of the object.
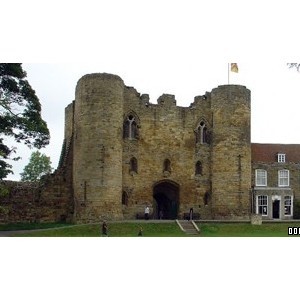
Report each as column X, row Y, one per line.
column 175, row 47
column 275, row 92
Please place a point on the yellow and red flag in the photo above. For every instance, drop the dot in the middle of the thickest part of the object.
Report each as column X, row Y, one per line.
column 234, row 67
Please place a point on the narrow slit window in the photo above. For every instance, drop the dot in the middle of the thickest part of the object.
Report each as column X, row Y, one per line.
column 133, row 165
column 124, row 198
column 167, row 165
column 198, row 168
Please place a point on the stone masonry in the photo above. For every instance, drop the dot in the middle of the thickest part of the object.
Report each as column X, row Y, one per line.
column 121, row 153
column 171, row 158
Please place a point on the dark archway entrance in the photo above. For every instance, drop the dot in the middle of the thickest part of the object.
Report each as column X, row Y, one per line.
column 166, row 195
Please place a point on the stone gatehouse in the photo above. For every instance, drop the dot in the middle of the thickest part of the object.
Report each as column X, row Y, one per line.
column 121, row 153
column 129, row 153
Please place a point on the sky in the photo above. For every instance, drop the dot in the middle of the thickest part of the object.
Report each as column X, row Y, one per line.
column 275, row 94
column 175, row 47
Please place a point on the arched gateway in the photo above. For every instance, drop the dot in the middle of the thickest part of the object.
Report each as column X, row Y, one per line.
column 166, row 199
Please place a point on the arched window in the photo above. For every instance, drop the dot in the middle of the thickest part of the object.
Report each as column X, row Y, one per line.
column 124, row 198
column 202, row 134
column 130, row 128
column 206, row 198
column 133, row 165
column 198, row 168
column 167, row 165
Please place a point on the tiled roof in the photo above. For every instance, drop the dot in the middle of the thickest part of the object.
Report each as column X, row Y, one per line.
column 268, row 152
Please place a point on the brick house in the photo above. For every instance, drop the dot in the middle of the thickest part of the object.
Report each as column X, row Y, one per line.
column 275, row 180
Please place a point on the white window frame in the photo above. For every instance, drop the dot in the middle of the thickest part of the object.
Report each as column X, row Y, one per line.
column 288, row 202
column 261, row 177
column 283, row 178
column 262, row 201
column 281, row 157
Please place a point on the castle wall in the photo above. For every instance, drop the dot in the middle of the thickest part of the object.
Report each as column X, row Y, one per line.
column 48, row 201
column 97, row 165
column 166, row 132
column 69, row 122
column 231, row 151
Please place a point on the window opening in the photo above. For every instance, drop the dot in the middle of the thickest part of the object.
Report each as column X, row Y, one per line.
column 261, row 177
column 124, row 198
column 167, row 165
column 133, row 165
column 287, row 205
column 202, row 135
column 283, row 178
column 130, row 128
column 198, row 168
column 262, row 205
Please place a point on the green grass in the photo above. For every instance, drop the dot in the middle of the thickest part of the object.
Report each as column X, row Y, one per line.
column 114, row 230
column 168, row 230
column 29, row 226
column 245, row 229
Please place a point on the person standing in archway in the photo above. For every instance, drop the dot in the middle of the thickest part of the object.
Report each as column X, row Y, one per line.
column 191, row 214
column 147, row 212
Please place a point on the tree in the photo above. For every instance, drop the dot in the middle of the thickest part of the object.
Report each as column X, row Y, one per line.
column 20, row 115
column 294, row 65
column 39, row 165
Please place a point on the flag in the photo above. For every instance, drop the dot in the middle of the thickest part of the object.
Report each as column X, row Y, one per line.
column 234, row 67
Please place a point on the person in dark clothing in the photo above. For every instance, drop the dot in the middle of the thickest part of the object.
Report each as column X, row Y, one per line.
column 104, row 229
column 147, row 212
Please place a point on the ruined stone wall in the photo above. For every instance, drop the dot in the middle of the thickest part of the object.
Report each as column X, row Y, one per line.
column 48, row 201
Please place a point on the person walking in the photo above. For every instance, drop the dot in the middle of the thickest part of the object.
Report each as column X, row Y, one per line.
column 104, row 229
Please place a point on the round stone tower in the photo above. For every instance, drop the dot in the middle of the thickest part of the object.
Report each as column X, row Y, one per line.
column 231, row 152
column 97, row 162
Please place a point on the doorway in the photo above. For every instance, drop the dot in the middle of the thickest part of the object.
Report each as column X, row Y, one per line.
column 276, row 209
column 166, row 195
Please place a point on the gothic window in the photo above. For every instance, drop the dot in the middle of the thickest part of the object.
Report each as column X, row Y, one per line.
column 130, row 128
column 167, row 165
column 133, row 165
column 198, row 168
column 202, row 134
column 206, row 198
column 124, row 198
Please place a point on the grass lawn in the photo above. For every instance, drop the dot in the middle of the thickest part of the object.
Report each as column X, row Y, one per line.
column 245, row 229
column 29, row 226
column 168, row 230
column 114, row 230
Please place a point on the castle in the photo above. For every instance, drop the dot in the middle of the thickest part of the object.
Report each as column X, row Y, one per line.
column 122, row 153
column 129, row 153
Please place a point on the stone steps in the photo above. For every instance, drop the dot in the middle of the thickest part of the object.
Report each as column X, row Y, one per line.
column 189, row 227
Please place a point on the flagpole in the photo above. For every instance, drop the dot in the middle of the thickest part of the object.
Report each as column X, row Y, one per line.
column 228, row 73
